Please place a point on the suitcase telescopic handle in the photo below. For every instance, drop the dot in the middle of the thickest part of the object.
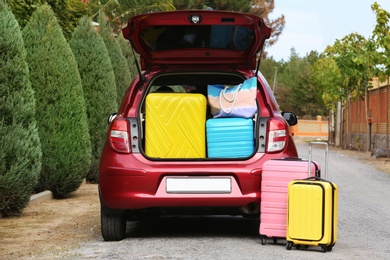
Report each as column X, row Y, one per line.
column 326, row 157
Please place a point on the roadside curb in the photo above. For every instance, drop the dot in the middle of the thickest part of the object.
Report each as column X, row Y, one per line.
column 42, row 196
column 45, row 195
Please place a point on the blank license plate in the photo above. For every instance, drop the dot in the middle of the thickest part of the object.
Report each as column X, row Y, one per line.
column 198, row 185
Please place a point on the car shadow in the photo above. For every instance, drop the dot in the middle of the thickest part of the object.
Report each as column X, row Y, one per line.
column 194, row 226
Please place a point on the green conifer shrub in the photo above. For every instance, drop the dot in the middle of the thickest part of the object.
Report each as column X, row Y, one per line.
column 118, row 61
column 128, row 54
column 99, row 87
column 61, row 111
column 68, row 12
column 20, row 148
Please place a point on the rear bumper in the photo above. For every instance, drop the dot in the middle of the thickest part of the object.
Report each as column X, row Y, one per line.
column 138, row 192
column 131, row 182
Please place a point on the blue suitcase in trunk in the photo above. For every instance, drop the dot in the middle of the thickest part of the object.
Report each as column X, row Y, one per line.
column 229, row 137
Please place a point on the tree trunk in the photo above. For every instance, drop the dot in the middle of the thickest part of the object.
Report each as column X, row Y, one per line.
column 387, row 118
column 338, row 124
column 367, row 115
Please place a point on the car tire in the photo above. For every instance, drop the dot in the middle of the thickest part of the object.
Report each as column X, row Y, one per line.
column 113, row 226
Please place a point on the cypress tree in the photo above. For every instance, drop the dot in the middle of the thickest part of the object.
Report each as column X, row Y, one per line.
column 118, row 61
column 128, row 54
column 99, row 87
column 61, row 111
column 68, row 12
column 20, row 148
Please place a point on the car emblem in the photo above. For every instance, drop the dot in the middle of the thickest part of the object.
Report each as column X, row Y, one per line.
column 195, row 19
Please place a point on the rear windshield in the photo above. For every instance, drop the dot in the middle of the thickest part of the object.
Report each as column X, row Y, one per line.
column 232, row 37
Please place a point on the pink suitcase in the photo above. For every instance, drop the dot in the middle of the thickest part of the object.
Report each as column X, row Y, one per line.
column 276, row 175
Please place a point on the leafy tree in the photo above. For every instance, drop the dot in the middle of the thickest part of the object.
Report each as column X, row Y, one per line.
column 295, row 70
column 68, row 12
column 263, row 9
column 326, row 74
column 193, row 4
column 238, row 5
column 118, row 61
column 295, row 90
column 98, row 83
column 119, row 11
column 20, row 148
column 269, row 68
column 381, row 34
column 61, row 112
column 346, row 53
column 355, row 56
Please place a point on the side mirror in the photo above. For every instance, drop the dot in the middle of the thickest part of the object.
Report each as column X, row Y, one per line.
column 111, row 117
column 290, row 117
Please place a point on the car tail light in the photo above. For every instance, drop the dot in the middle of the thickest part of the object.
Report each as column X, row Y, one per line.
column 277, row 135
column 119, row 135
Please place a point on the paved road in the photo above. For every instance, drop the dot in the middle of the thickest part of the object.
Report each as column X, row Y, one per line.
column 363, row 228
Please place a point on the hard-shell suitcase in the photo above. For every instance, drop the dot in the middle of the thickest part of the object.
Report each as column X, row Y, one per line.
column 312, row 211
column 175, row 125
column 276, row 175
column 231, row 137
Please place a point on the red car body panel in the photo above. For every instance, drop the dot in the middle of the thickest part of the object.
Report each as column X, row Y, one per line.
column 134, row 182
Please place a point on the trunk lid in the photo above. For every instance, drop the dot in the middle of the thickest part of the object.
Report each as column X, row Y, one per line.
column 197, row 37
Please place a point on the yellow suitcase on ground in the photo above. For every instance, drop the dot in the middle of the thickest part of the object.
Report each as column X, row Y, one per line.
column 312, row 211
column 175, row 125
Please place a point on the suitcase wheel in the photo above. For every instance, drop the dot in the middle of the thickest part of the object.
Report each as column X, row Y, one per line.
column 326, row 248
column 289, row 245
column 263, row 240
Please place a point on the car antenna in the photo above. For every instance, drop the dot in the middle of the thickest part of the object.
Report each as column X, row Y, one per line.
column 142, row 77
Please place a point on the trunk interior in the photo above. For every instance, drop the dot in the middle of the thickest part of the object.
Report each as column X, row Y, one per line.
column 178, row 122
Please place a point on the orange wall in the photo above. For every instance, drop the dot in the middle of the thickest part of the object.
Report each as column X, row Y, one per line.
column 311, row 128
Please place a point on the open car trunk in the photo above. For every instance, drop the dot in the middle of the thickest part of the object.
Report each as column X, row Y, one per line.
column 188, row 37
column 177, row 120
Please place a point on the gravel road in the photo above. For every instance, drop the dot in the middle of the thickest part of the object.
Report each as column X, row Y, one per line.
column 363, row 227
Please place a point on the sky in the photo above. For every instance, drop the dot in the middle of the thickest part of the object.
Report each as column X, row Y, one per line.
column 315, row 24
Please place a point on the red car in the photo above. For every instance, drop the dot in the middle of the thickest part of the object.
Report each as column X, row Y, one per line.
column 160, row 156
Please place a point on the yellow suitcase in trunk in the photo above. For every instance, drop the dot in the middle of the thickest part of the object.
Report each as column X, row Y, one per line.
column 175, row 125
column 312, row 213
